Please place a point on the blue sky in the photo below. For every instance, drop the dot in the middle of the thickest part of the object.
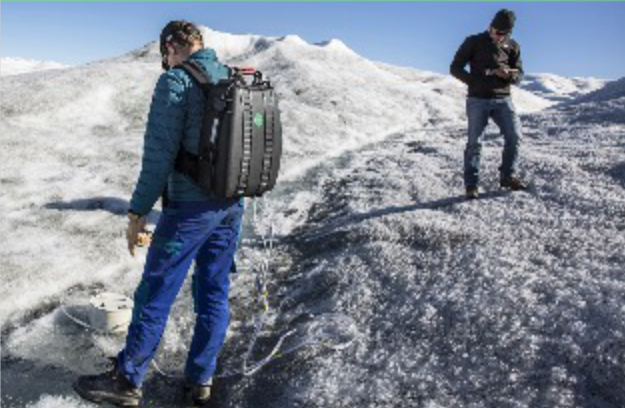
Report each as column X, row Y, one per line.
column 570, row 39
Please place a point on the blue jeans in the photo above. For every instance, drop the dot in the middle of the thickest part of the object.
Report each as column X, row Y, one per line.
column 502, row 111
column 207, row 232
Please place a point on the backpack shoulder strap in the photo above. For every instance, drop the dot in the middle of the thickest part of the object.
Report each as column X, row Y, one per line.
column 186, row 162
column 196, row 71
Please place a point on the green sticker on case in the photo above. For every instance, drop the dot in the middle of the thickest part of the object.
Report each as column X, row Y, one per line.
column 259, row 120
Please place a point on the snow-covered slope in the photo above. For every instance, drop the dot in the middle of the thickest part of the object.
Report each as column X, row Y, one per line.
column 612, row 91
column 82, row 119
column 513, row 300
column 606, row 104
column 16, row 66
column 558, row 88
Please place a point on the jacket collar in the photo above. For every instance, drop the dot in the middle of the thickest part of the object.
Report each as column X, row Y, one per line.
column 504, row 44
column 204, row 54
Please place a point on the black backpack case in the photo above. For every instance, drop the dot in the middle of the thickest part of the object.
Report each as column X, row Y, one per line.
column 241, row 136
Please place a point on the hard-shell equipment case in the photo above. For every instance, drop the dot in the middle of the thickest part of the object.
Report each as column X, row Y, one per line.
column 241, row 136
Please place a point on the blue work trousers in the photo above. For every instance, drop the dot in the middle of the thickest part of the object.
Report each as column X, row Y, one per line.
column 502, row 111
column 207, row 232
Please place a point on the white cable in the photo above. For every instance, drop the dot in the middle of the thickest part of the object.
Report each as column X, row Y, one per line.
column 76, row 320
column 262, row 272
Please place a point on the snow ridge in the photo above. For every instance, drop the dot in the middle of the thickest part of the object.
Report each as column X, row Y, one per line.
column 17, row 66
column 558, row 88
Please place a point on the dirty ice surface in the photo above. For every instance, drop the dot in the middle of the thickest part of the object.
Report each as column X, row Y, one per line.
column 512, row 300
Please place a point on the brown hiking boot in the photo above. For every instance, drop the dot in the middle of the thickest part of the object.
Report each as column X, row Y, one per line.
column 198, row 395
column 110, row 386
column 513, row 183
column 471, row 193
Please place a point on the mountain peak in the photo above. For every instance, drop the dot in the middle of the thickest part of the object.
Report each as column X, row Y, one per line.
column 293, row 39
column 240, row 46
column 335, row 45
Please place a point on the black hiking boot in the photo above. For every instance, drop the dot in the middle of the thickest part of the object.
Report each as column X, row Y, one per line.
column 513, row 183
column 110, row 386
column 472, row 192
column 197, row 395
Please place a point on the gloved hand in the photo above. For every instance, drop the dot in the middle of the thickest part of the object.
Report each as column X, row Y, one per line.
column 136, row 232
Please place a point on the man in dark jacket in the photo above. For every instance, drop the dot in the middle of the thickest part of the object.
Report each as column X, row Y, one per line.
column 194, row 227
column 494, row 64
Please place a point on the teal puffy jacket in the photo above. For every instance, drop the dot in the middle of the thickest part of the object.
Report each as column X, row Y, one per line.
column 175, row 117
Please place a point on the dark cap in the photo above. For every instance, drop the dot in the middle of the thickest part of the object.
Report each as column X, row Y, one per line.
column 504, row 20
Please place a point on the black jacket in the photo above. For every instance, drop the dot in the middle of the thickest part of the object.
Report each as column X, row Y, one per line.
column 483, row 54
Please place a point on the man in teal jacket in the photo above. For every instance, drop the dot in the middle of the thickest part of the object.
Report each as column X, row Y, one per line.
column 193, row 227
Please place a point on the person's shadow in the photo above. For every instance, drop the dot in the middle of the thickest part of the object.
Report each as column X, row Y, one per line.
column 429, row 205
column 113, row 205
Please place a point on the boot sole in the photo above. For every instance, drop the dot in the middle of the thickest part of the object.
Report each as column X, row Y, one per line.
column 99, row 398
column 514, row 189
column 522, row 187
column 193, row 403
